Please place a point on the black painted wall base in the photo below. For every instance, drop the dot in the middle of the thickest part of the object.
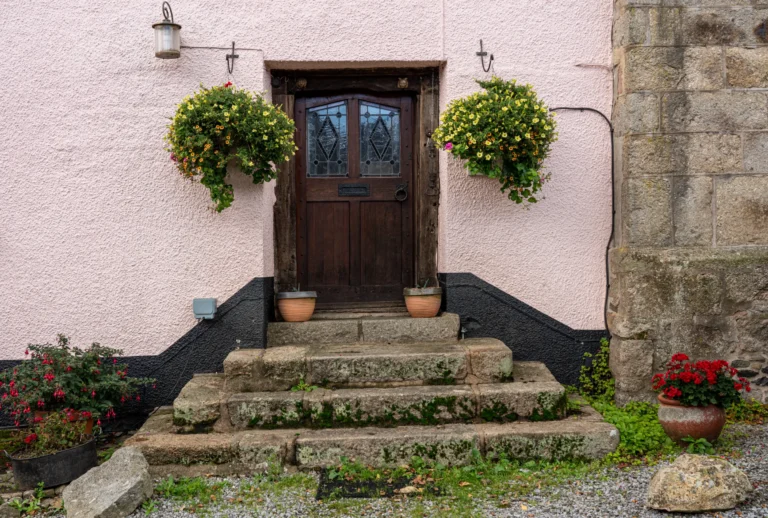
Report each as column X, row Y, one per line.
column 486, row 311
column 241, row 321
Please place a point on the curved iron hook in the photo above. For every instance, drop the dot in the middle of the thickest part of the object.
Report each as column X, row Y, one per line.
column 482, row 55
column 233, row 56
column 166, row 11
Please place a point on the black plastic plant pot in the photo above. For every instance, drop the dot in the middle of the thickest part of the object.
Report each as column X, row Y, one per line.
column 54, row 469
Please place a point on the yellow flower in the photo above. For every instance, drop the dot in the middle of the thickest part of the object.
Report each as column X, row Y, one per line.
column 265, row 113
column 504, row 135
column 535, row 120
column 517, row 138
column 487, row 142
column 480, row 154
column 266, row 137
column 487, row 157
column 504, row 108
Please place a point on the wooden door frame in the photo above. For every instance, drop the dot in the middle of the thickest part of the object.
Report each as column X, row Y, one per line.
column 423, row 84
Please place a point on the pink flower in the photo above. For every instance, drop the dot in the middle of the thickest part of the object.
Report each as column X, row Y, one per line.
column 173, row 157
column 448, row 146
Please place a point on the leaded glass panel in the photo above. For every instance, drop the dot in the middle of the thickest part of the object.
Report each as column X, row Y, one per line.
column 327, row 140
column 379, row 140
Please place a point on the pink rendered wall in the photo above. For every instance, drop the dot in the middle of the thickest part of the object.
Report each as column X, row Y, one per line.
column 100, row 237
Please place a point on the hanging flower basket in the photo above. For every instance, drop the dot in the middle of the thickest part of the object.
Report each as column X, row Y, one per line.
column 504, row 132
column 220, row 124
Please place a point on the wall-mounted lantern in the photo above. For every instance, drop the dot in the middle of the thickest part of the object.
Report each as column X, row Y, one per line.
column 167, row 35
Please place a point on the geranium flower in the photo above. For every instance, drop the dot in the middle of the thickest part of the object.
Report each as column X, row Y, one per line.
column 29, row 439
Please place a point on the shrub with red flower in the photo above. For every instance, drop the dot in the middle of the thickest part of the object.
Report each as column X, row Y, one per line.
column 50, row 434
column 55, row 377
column 700, row 383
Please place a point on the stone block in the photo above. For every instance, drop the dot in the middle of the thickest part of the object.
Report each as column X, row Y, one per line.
column 410, row 330
column 714, row 111
column 692, row 208
column 648, row 217
column 312, row 332
column 528, row 372
column 742, row 210
column 637, row 113
column 756, row 152
column 450, row 445
column 747, row 67
column 723, row 25
column 490, row 361
column 113, row 490
column 508, row 401
column 199, row 402
column 364, row 365
column 425, row 405
column 202, row 448
column 631, row 359
column 258, row 449
column 242, row 368
column 554, row 440
column 665, row 24
column 630, row 26
column 682, row 154
column 673, row 68
column 266, row 409
column 282, row 368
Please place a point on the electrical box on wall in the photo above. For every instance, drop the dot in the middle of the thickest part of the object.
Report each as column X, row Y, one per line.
column 204, row 308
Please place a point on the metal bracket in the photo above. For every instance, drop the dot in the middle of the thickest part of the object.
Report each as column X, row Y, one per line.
column 233, row 57
column 482, row 55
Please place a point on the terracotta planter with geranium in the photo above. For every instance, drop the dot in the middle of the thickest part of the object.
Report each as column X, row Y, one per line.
column 694, row 395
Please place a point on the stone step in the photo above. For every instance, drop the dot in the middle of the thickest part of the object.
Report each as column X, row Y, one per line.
column 584, row 436
column 365, row 329
column 477, row 360
column 412, row 405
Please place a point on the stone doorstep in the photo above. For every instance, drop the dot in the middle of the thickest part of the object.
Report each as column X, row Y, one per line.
column 584, row 436
column 364, row 330
column 413, row 405
column 475, row 360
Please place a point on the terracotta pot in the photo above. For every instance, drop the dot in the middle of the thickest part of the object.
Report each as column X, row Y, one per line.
column 423, row 302
column 699, row 422
column 296, row 306
column 74, row 417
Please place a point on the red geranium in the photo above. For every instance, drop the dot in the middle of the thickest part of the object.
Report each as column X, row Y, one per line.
column 684, row 381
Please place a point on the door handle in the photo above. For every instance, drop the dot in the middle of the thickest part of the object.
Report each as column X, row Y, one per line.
column 401, row 193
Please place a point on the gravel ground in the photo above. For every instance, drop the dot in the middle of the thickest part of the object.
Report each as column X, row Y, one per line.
column 612, row 493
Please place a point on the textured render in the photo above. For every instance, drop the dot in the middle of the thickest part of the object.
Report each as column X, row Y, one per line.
column 689, row 267
column 105, row 241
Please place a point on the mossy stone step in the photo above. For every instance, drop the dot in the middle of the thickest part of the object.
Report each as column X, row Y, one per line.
column 417, row 405
column 478, row 360
column 584, row 436
column 370, row 330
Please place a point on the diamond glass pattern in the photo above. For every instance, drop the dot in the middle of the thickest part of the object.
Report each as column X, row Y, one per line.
column 327, row 140
column 379, row 140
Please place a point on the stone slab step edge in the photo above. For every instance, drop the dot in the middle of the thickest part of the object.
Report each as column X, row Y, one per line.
column 419, row 405
column 535, row 394
column 364, row 330
column 578, row 437
column 471, row 361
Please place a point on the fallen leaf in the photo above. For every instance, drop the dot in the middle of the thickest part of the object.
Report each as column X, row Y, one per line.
column 523, row 507
column 464, row 484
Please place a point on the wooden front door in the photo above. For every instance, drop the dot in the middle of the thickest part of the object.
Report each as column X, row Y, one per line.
column 354, row 182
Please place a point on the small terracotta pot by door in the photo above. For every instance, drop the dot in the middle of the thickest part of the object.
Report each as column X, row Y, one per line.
column 423, row 302
column 699, row 422
column 296, row 306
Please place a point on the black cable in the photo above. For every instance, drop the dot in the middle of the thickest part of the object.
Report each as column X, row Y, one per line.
column 613, row 205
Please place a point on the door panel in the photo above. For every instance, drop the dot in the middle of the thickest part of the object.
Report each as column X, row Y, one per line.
column 328, row 238
column 355, row 217
column 381, row 248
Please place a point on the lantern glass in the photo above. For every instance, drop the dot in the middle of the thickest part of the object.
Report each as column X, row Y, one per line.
column 167, row 40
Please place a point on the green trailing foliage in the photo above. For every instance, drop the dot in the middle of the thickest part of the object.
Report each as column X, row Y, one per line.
column 503, row 132
column 747, row 411
column 595, row 379
column 699, row 446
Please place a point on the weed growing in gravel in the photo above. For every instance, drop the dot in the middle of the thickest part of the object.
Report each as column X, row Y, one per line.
column 748, row 411
column 195, row 493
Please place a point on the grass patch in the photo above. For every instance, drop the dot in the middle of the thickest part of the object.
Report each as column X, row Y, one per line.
column 195, row 493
